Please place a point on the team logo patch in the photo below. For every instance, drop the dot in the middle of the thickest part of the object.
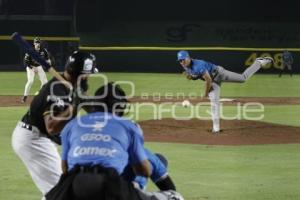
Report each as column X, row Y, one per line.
column 88, row 65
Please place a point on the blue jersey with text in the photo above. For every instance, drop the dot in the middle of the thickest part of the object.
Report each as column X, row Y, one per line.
column 158, row 171
column 102, row 139
column 199, row 67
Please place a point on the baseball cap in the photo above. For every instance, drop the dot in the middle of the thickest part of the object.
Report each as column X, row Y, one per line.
column 182, row 55
column 36, row 40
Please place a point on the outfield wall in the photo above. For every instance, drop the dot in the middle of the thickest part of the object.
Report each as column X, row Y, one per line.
column 165, row 60
column 32, row 26
column 152, row 59
column 59, row 47
column 151, row 46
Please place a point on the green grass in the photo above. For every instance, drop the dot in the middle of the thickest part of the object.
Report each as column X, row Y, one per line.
column 227, row 173
column 200, row 172
column 12, row 83
column 15, row 181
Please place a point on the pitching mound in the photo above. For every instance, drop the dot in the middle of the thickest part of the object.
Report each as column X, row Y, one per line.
column 234, row 132
column 15, row 100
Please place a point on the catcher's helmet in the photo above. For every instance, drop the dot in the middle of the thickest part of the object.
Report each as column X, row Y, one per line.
column 37, row 40
column 80, row 63
column 114, row 97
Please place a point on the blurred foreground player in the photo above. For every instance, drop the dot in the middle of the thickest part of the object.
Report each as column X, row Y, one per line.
column 97, row 147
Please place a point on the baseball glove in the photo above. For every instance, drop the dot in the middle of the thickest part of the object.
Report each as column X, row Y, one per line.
column 190, row 76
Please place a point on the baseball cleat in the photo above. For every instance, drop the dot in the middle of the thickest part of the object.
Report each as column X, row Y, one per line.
column 216, row 132
column 265, row 60
column 172, row 195
column 24, row 98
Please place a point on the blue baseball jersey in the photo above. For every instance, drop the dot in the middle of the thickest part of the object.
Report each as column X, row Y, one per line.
column 102, row 139
column 158, row 171
column 287, row 57
column 199, row 67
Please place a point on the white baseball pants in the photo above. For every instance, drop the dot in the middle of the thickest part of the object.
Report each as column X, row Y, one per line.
column 214, row 97
column 30, row 78
column 226, row 76
column 40, row 156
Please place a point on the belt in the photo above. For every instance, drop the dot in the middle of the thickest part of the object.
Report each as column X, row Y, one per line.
column 26, row 126
column 96, row 169
column 31, row 128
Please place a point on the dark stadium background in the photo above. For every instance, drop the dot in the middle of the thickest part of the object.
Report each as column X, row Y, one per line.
column 157, row 28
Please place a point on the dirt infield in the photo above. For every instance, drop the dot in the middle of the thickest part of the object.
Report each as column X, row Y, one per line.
column 235, row 132
column 15, row 100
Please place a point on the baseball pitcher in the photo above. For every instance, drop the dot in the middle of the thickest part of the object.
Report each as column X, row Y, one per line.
column 214, row 75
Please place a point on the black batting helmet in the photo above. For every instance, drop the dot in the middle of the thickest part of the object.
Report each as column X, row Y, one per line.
column 114, row 97
column 80, row 63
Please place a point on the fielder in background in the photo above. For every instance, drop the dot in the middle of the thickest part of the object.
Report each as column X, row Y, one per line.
column 32, row 67
column 34, row 135
column 214, row 75
column 288, row 60
column 97, row 147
